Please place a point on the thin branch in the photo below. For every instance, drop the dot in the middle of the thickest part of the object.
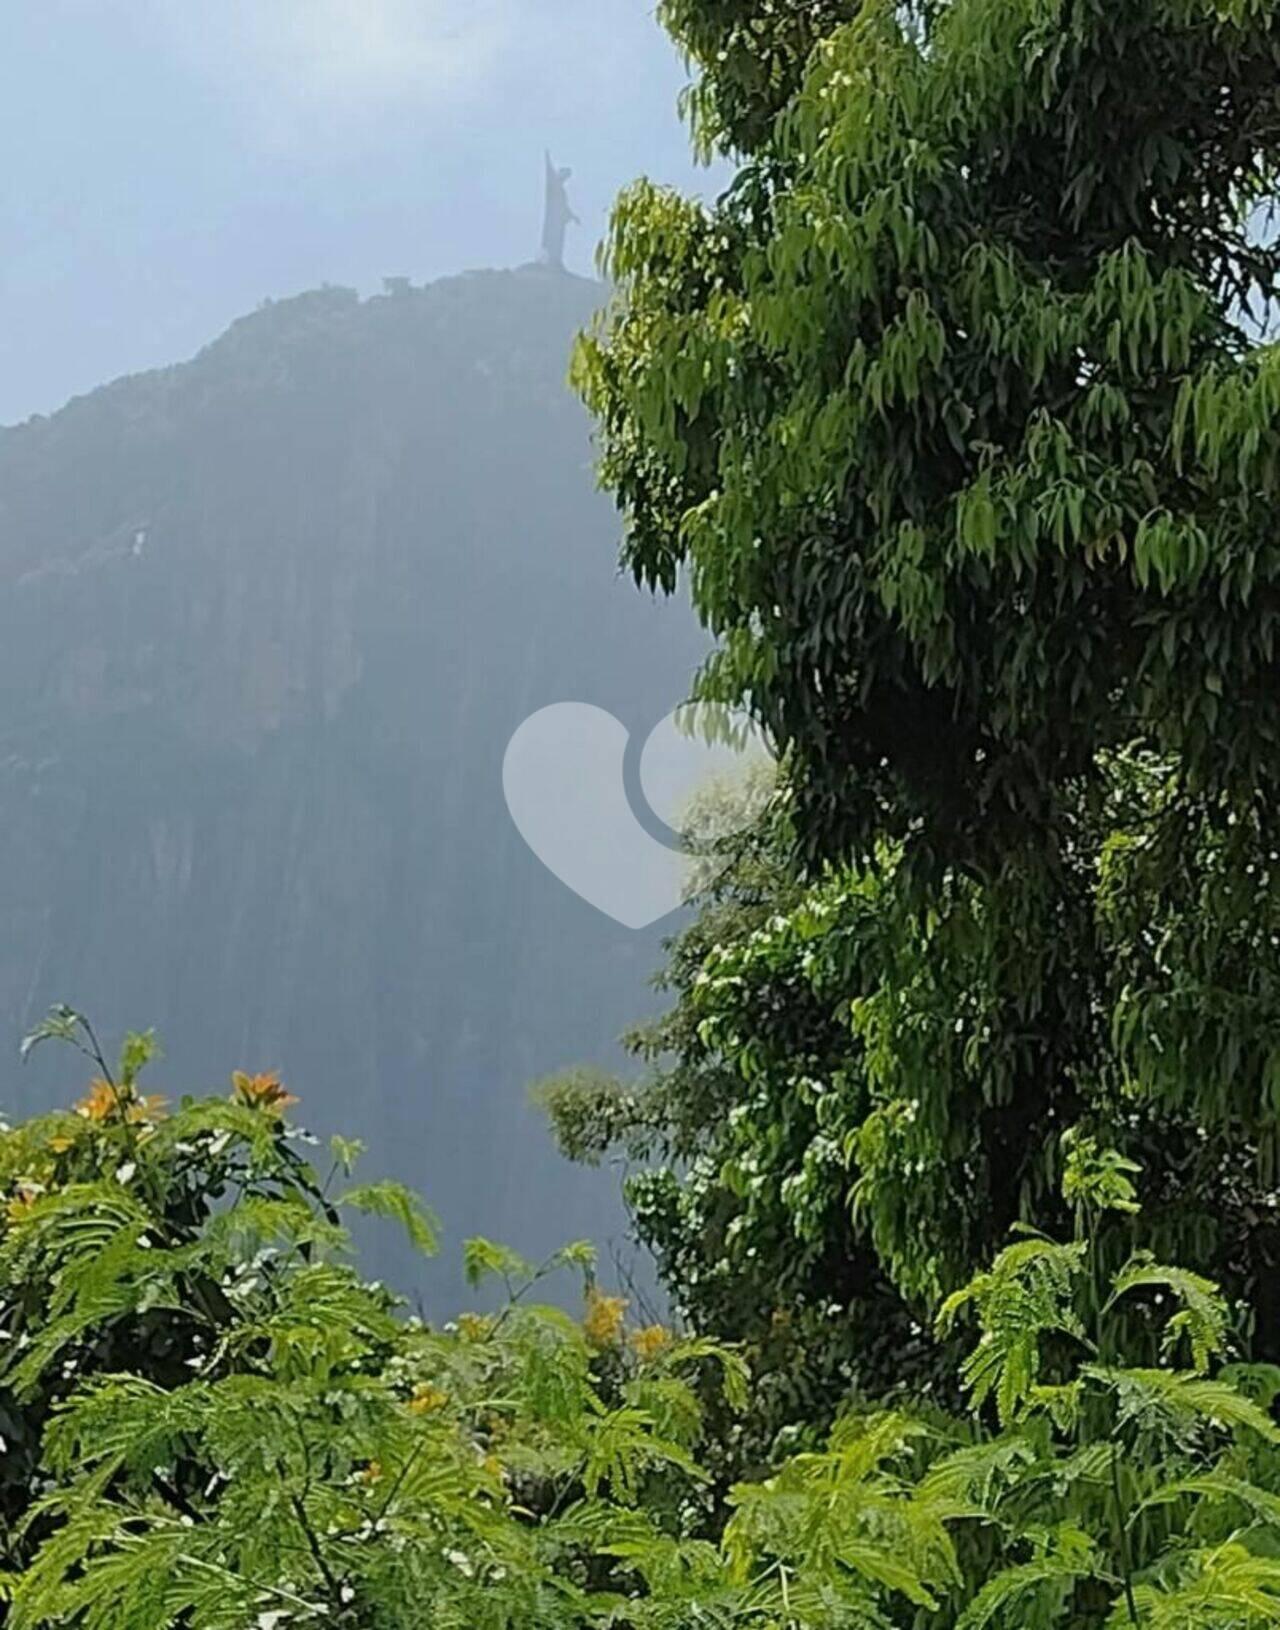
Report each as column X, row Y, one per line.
column 332, row 1585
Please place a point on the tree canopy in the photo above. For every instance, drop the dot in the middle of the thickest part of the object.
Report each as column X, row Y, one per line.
column 958, row 413
column 951, row 406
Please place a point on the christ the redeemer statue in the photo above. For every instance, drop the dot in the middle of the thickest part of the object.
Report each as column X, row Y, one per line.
column 558, row 218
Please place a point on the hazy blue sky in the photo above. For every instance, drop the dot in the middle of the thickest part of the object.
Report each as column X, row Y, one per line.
column 170, row 163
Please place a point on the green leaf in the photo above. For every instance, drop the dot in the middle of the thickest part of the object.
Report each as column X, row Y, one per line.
column 398, row 1204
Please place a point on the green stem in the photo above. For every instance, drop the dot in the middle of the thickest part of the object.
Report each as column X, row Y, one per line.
column 1122, row 1536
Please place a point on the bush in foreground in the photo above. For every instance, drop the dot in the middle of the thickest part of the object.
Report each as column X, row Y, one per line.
column 213, row 1423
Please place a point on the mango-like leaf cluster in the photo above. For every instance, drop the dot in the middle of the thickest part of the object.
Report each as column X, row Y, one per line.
column 954, row 408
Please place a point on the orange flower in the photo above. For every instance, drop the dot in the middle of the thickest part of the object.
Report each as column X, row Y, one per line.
column 602, row 1321
column 427, row 1400
column 101, row 1101
column 651, row 1343
column 263, row 1092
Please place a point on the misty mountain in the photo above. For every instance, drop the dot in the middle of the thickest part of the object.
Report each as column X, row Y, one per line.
column 268, row 620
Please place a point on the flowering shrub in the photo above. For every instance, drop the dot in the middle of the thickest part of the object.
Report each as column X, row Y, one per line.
column 214, row 1424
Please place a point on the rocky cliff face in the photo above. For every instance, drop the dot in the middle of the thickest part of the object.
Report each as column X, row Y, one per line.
column 267, row 623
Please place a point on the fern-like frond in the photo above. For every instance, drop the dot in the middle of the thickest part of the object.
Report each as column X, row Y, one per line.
column 1035, row 1592
column 1229, row 1588
column 399, row 1205
column 1202, row 1317
column 1028, row 1293
column 1180, row 1397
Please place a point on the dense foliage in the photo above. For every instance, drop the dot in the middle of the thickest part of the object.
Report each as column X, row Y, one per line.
column 736, row 1174
column 951, row 407
column 958, row 413
column 224, row 1428
column 211, row 1421
column 845, row 1109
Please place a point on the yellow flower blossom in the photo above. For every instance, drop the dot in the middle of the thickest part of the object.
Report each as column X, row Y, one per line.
column 651, row 1343
column 427, row 1400
column 372, row 1473
column 263, row 1092
column 602, row 1321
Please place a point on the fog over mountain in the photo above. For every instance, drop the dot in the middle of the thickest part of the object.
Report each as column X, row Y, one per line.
column 268, row 620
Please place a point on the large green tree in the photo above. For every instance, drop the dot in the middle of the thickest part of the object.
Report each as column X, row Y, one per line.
column 951, row 406
column 958, row 415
